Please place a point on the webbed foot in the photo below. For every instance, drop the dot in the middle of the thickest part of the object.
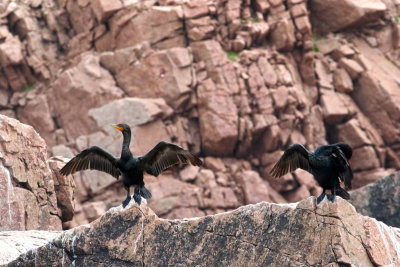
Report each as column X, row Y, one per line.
column 331, row 198
column 137, row 198
column 321, row 197
column 126, row 201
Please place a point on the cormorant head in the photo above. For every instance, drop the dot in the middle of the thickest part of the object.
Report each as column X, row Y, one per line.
column 124, row 128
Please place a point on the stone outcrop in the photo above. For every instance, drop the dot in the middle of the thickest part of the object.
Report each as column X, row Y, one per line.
column 331, row 16
column 233, row 81
column 380, row 200
column 29, row 198
column 260, row 235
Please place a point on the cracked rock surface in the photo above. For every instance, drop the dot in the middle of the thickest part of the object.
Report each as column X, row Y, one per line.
column 264, row 234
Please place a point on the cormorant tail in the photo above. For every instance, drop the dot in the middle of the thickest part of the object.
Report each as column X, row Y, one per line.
column 145, row 193
column 342, row 193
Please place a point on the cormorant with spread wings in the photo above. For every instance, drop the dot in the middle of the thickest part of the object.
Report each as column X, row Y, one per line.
column 158, row 159
column 327, row 164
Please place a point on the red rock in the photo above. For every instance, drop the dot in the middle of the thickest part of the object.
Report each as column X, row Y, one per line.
column 262, row 5
column 298, row 10
column 326, row 46
column 282, row 36
column 267, row 71
column 81, row 88
column 342, row 81
column 368, row 177
column 352, row 67
column 36, row 112
column 254, row 188
column 189, row 173
column 29, row 200
column 303, row 25
column 11, row 52
column 326, row 14
column 103, row 9
column 298, row 194
column 215, row 164
column 333, row 107
column 271, row 138
column 324, row 74
column 195, row 9
column 132, row 111
column 352, row 133
column 364, row 158
column 218, row 120
column 307, row 69
column 206, row 179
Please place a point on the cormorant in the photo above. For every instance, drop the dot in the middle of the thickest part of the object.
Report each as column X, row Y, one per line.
column 327, row 164
column 161, row 157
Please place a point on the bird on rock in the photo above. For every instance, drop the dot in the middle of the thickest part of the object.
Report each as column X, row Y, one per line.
column 327, row 164
column 158, row 159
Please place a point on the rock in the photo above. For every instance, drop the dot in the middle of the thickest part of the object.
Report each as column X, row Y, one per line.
column 261, row 234
column 37, row 112
column 217, row 119
column 156, row 25
column 94, row 210
column 103, row 9
column 342, row 81
column 81, row 88
column 298, row 194
column 324, row 75
column 189, row 173
column 352, row 67
column 327, row 16
column 132, row 111
column 254, row 188
column 363, row 178
column 64, row 188
column 282, row 36
column 354, row 134
column 13, row 243
column 379, row 200
column 29, row 198
column 170, row 71
column 170, row 194
column 326, row 46
column 333, row 107
column 364, row 158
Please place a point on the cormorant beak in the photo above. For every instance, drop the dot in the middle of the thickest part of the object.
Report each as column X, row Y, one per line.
column 117, row 127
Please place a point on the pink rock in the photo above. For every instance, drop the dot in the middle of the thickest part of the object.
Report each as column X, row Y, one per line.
column 364, row 158
column 353, row 133
column 81, row 88
column 333, row 106
column 342, row 81
column 103, row 9
column 218, row 120
column 254, row 188
column 282, row 36
column 352, row 67
column 327, row 14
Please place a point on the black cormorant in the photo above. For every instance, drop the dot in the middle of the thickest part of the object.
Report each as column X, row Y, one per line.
column 161, row 157
column 327, row 164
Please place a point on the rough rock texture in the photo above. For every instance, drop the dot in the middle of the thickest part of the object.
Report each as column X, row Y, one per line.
column 235, row 82
column 14, row 243
column 264, row 234
column 27, row 183
column 380, row 200
column 331, row 16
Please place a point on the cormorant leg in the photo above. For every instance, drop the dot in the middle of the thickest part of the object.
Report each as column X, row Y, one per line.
column 128, row 197
column 321, row 197
column 332, row 197
column 136, row 196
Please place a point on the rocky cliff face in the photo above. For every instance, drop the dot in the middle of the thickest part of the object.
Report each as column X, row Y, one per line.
column 233, row 81
column 265, row 234
column 34, row 197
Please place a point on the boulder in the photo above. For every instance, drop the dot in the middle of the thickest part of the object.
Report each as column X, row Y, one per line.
column 260, row 235
column 380, row 200
column 29, row 197
column 218, row 120
column 332, row 16
column 81, row 88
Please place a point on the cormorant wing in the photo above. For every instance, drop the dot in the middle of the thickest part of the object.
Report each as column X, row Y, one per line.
column 165, row 155
column 346, row 149
column 345, row 172
column 296, row 156
column 93, row 158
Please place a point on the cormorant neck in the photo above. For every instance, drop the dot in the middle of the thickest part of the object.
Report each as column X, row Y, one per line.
column 125, row 145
